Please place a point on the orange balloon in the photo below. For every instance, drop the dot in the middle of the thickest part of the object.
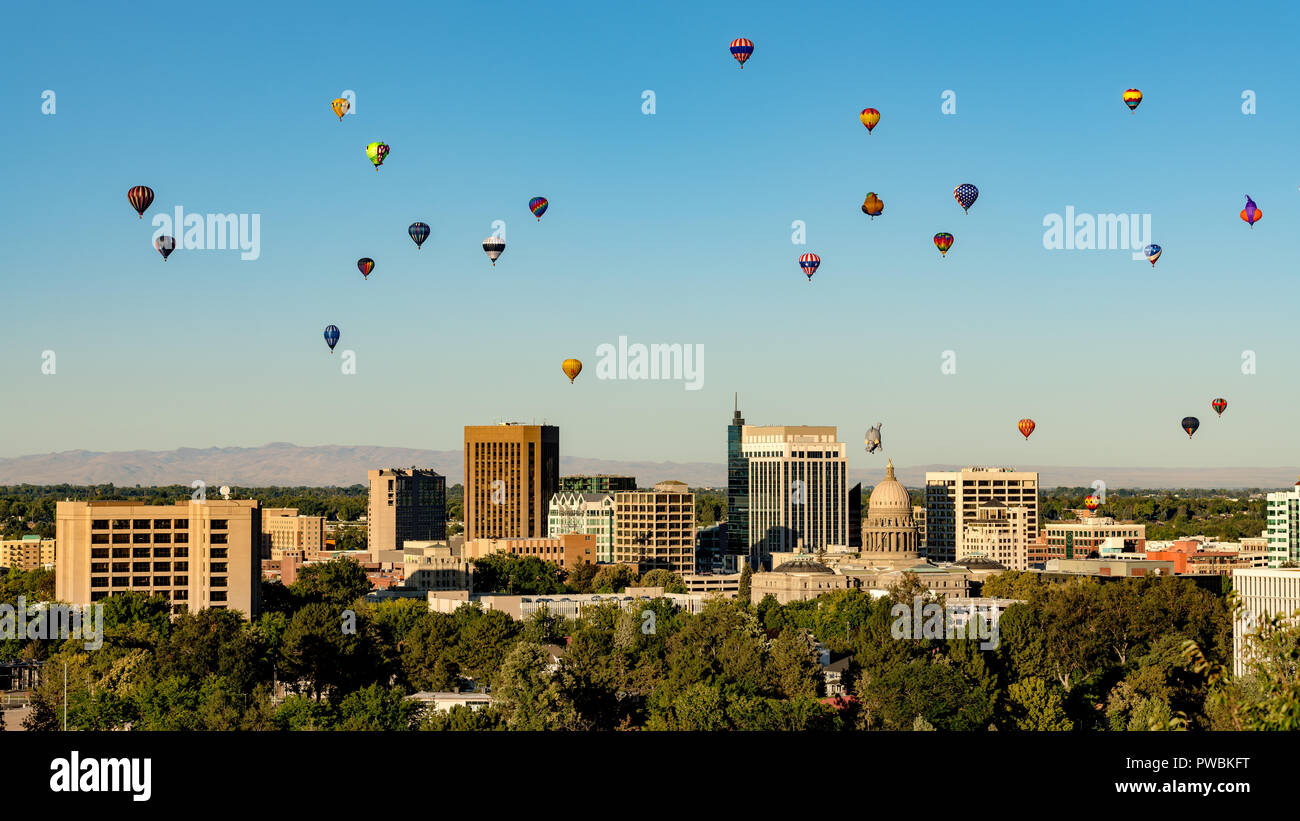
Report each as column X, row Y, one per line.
column 571, row 368
column 341, row 106
column 869, row 117
column 1026, row 427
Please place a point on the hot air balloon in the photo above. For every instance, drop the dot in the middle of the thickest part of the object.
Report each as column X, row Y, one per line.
column 365, row 265
column 1092, row 503
column 1190, row 424
column 1026, row 427
column 873, row 205
column 741, row 49
column 571, row 368
column 869, row 118
column 966, row 194
column 419, row 232
column 1152, row 253
column 493, row 246
column 165, row 246
column 943, row 241
column 1220, row 405
column 140, row 197
column 331, row 336
column 341, row 106
column 538, row 206
column 1251, row 213
column 1132, row 98
column 377, row 152
column 809, row 263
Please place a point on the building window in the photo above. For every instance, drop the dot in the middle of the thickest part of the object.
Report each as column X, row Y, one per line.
column 161, row 581
column 217, row 595
column 162, row 524
column 139, row 538
column 162, row 552
column 99, row 553
column 141, row 524
column 162, row 567
column 218, row 581
column 219, row 524
column 218, row 538
column 99, row 524
column 99, row 538
column 162, row 538
column 217, row 553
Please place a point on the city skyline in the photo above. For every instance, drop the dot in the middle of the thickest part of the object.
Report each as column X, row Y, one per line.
column 656, row 234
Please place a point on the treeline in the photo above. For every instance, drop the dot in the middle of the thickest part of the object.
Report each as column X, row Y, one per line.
column 1132, row 654
column 1227, row 515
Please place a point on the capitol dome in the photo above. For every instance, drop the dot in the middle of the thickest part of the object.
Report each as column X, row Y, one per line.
column 889, row 498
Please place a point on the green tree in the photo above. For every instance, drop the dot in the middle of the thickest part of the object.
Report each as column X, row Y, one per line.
column 660, row 577
column 746, row 580
column 1038, row 703
column 339, row 582
column 795, row 670
column 377, row 708
column 529, row 694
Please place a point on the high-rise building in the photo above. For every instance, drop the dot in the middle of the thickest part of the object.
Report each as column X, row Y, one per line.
column 286, row 533
column 1283, row 526
column 798, row 492
column 1263, row 592
column 602, row 483
column 511, row 473
column 655, row 529
column 196, row 555
column 31, row 552
column 591, row 513
column 737, row 487
column 405, row 504
column 997, row 533
column 952, row 499
column 855, row 517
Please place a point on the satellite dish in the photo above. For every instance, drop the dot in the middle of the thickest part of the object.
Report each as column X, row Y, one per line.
column 225, row 492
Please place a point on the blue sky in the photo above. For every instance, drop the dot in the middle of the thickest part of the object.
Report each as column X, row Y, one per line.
column 671, row 228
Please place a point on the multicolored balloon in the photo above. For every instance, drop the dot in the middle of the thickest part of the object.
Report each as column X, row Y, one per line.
column 1092, row 502
column 377, row 152
column 943, row 241
column 493, row 246
column 966, row 194
column 1152, row 253
column 165, row 246
column 869, row 118
column 331, row 336
column 365, row 265
column 1026, row 427
column 341, row 106
column 741, row 49
column 1220, row 405
column 1251, row 213
column 873, row 205
column 809, row 263
column 140, row 197
column 571, row 368
column 1190, row 424
column 538, row 206
column 1132, row 99
column 419, row 232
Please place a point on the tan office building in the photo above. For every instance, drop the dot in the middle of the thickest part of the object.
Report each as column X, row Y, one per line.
column 511, row 473
column 405, row 504
column 997, row 533
column 952, row 500
column 565, row 551
column 196, row 555
column 28, row 553
column 798, row 489
column 655, row 529
column 285, row 533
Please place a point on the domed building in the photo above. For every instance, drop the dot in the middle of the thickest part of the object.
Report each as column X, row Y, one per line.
column 889, row 533
column 797, row 580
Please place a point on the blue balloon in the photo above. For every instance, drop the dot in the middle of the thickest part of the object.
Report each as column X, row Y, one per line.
column 966, row 194
column 331, row 336
column 419, row 232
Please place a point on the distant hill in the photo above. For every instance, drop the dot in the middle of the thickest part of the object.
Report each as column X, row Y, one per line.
column 281, row 463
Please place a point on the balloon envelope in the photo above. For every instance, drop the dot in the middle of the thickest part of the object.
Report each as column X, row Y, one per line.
column 341, row 106
column 873, row 205
column 1026, row 427
column 165, row 246
column 869, row 117
column 809, row 263
column 571, row 368
column 538, row 206
column 377, row 152
column 365, row 265
column 140, row 197
column 419, row 232
column 943, row 241
column 1132, row 98
column 1251, row 213
column 331, row 336
column 492, row 246
column 1219, row 405
column 1190, row 424
column 1092, row 503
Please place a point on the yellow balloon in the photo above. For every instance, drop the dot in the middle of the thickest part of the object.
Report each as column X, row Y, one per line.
column 571, row 368
column 340, row 107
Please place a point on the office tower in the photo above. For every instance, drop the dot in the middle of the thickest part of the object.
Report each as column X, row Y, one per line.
column 196, row 555
column 952, row 497
column 1283, row 526
column 997, row 533
column 30, row 552
column 1263, row 592
column 855, row 517
column 511, row 473
column 798, row 495
column 1083, row 538
column 737, row 487
column 603, row 483
column 589, row 513
column 405, row 504
column 656, row 528
column 566, row 552
column 286, row 533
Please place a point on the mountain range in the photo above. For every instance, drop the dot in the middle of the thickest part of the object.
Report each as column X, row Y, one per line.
column 285, row 464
